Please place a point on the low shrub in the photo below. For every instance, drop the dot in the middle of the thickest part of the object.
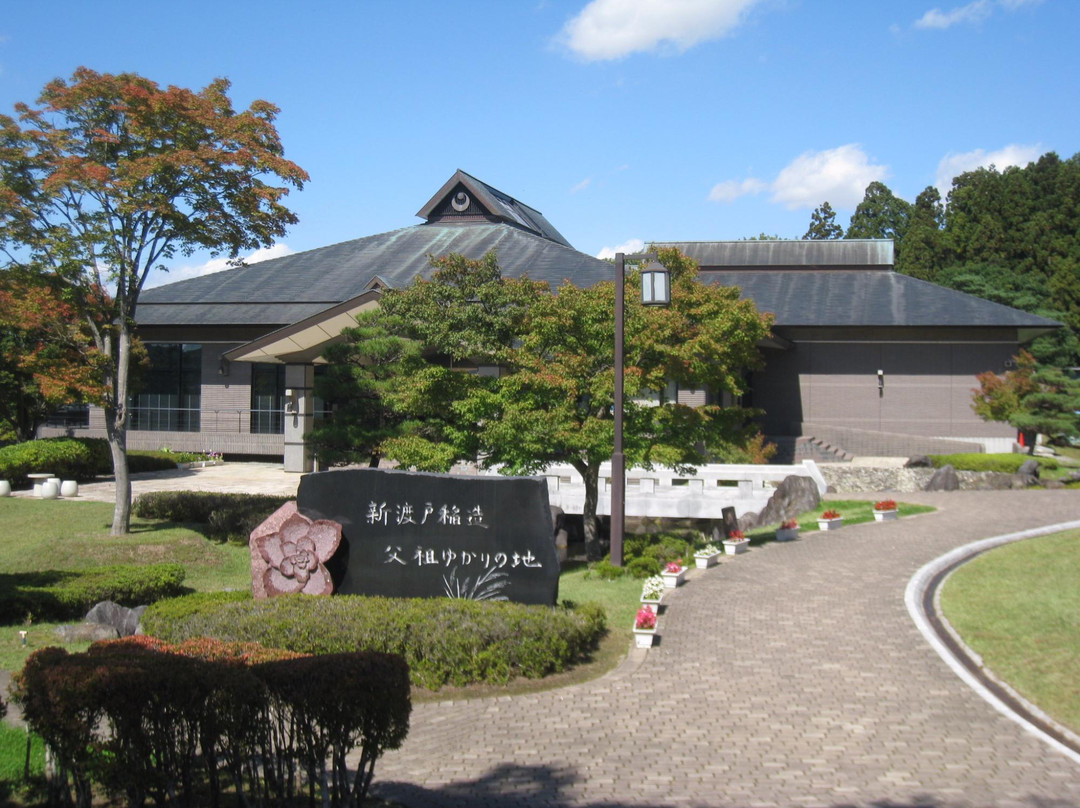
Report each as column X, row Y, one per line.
column 445, row 641
column 140, row 462
column 145, row 720
column 79, row 459
column 222, row 517
column 68, row 595
column 1004, row 463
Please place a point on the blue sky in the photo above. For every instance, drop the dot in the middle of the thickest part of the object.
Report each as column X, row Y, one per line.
column 621, row 120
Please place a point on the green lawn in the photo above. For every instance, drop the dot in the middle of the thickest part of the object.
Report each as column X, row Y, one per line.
column 854, row 512
column 50, row 535
column 1018, row 607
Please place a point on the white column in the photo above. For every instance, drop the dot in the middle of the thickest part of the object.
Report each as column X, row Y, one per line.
column 299, row 412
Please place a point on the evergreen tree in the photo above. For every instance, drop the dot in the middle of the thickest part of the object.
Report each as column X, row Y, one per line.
column 881, row 214
column 923, row 250
column 823, row 224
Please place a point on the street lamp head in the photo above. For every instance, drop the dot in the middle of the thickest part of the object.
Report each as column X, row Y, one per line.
column 655, row 284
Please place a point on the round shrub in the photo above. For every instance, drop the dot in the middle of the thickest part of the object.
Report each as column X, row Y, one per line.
column 445, row 641
column 69, row 595
column 79, row 459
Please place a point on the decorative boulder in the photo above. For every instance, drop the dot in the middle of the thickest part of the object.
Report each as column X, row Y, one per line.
column 944, row 479
column 1029, row 468
column 919, row 462
column 121, row 618
column 289, row 554
column 795, row 495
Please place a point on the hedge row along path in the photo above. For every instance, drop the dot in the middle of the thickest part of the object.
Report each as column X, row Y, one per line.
column 792, row 675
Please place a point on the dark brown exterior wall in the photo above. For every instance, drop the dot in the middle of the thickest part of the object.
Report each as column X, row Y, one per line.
column 830, row 377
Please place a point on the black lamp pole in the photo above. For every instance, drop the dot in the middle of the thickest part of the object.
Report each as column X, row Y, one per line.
column 655, row 292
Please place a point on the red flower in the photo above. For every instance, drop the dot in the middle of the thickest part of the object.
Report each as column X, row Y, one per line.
column 646, row 618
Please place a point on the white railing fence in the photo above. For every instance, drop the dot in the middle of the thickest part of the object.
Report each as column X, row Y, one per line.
column 661, row 492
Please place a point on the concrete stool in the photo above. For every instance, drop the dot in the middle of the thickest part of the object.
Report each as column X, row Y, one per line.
column 49, row 490
column 69, row 488
column 5, row 488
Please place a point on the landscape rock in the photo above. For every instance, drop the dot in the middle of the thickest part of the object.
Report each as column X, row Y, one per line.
column 1030, row 468
column 944, row 479
column 795, row 495
column 919, row 462
column 121, row 618
column 86, row 632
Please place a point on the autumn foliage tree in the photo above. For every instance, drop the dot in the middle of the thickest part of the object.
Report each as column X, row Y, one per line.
column 109, row 177
column 47, row 356
column 1034, row 400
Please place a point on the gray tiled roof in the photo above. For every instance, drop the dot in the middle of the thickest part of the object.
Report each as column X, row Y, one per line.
column 284, row 290
column 851, row 297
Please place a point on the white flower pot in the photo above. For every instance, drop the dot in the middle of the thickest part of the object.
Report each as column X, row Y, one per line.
column 673, row 579
column 703, row 562
column 787, row 533
column 736, row 547
column 643, row 637
column 886, row 516
column 830, row 524
column 652, row 605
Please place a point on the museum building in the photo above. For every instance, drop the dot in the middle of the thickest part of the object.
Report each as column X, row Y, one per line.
column 862, row 358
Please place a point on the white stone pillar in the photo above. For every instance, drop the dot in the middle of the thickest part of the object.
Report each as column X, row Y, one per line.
column 299, row 413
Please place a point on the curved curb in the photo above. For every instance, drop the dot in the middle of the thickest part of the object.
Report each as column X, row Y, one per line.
column 920, row 597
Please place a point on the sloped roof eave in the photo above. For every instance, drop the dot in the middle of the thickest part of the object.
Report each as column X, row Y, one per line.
column 304, row 341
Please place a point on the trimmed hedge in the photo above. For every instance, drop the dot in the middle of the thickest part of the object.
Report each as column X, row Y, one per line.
column 1004, row 463
column 223, row 517
column 457, row 642
column 69, row 595
column 145, row 720
column 79, row 459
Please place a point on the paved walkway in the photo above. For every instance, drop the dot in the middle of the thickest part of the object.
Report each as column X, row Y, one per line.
column 243, row 478
column 789, row 676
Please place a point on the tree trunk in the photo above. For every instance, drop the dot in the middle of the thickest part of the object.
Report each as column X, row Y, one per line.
column 594, row 550
column 116, row 424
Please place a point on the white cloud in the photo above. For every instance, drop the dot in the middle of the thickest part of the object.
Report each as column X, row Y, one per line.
column 973, row 13
column 634, row 245
column 612, row 29
column 730, row 190
column 839, row 176
column 581, row 186
column 276, row 250
column 953, row 165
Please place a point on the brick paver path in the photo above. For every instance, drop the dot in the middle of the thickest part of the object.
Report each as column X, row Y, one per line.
column 788, row 676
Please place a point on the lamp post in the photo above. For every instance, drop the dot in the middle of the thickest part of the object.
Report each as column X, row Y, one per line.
column 655, row 291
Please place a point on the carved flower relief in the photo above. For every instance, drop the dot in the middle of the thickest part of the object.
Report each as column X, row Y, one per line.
column 296, row 553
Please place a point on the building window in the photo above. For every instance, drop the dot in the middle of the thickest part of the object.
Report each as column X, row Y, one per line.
column 267, row 399
column 171, row 389
column 70, row 416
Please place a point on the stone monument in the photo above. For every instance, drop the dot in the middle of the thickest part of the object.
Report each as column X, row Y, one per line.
column 411, row 534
